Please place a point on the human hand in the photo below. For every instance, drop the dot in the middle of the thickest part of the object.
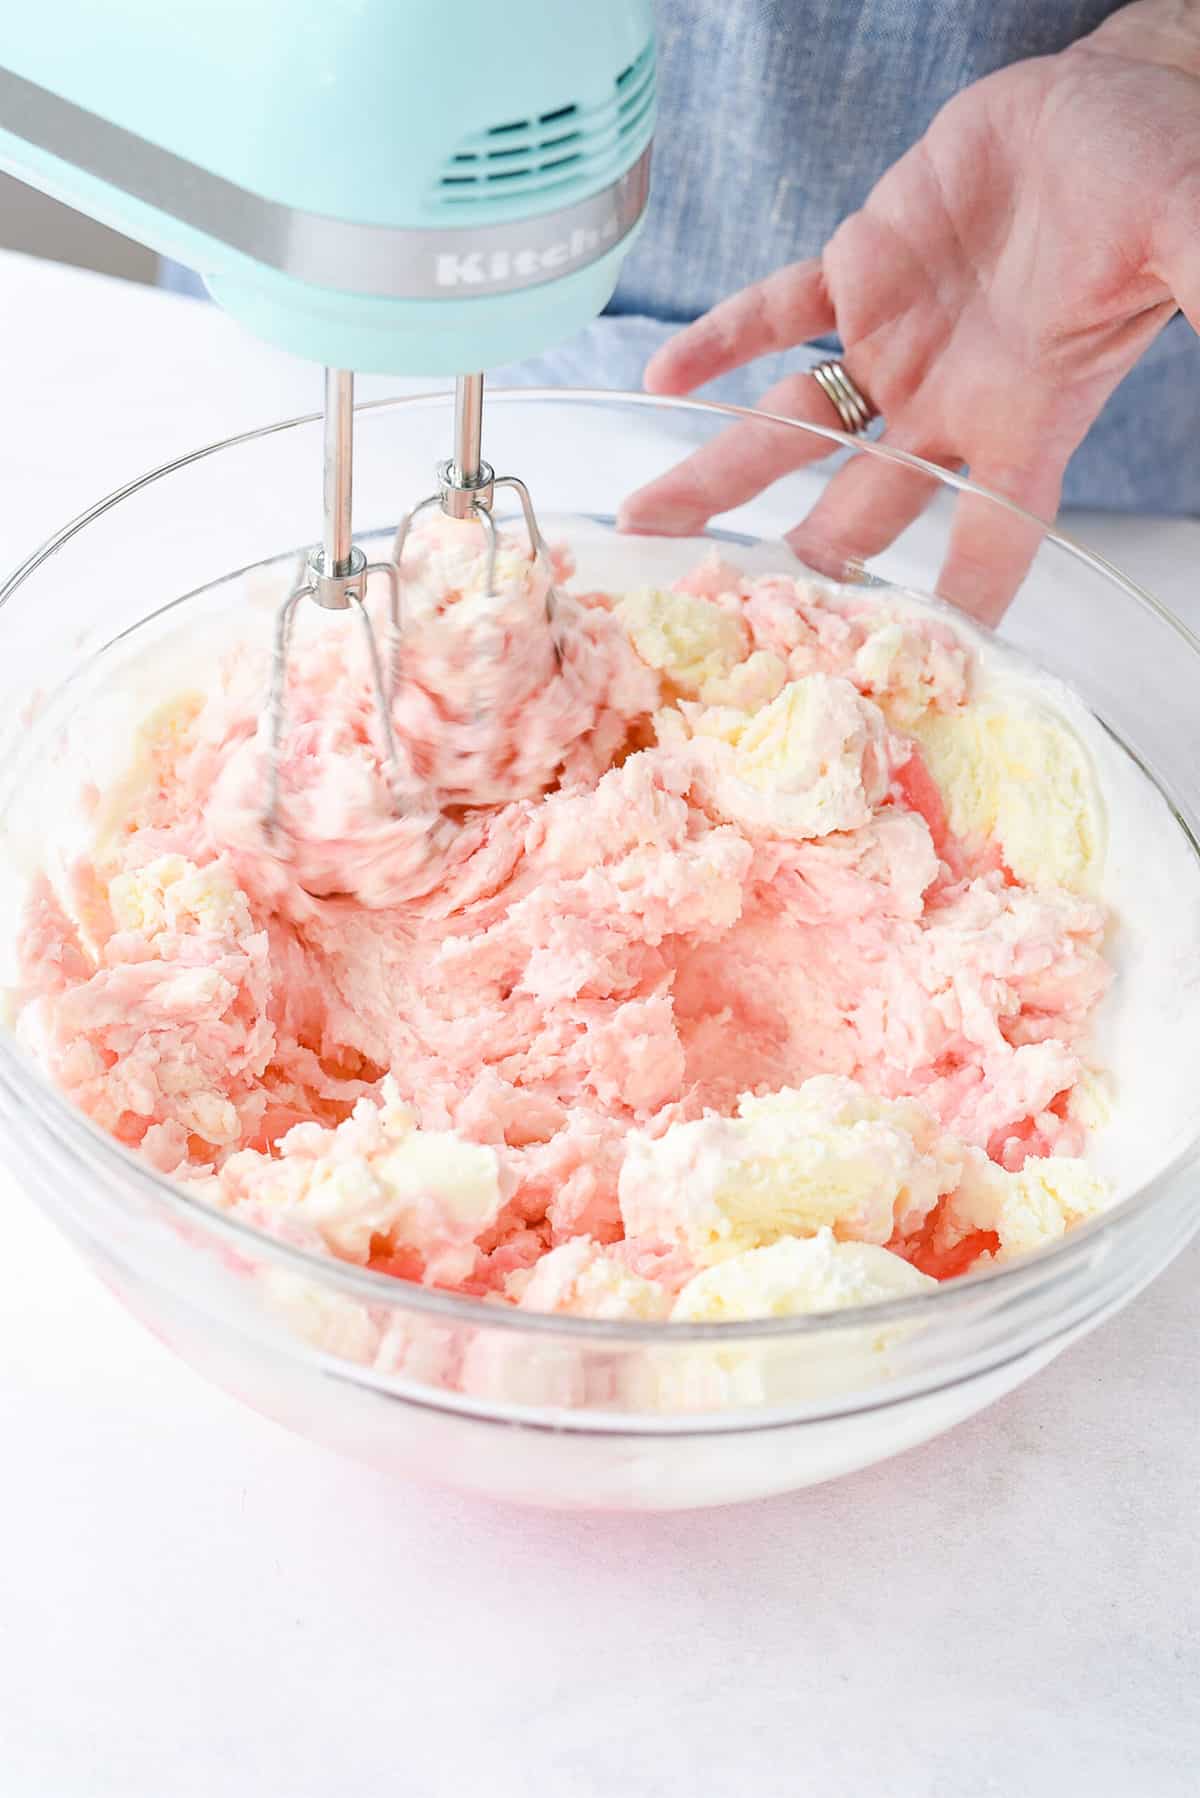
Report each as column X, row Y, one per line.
column 999, row 282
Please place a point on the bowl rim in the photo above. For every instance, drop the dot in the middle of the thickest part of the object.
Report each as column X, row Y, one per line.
column 617, row 396
column 25, row 1079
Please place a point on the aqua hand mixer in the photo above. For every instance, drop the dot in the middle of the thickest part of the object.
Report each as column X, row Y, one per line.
column 402, row 186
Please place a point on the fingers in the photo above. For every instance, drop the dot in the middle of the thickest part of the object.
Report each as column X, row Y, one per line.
column 866, row 505
column 733, row 467
column 863, row 509
column 785, row 309
column 991, row 548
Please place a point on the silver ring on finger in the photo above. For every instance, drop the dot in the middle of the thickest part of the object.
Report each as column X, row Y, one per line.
column 845, row 396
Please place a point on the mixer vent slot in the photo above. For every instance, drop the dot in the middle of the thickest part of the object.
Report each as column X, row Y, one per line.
column 526, row 156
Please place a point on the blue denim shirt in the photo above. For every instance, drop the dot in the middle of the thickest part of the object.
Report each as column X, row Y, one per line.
column 776, row 118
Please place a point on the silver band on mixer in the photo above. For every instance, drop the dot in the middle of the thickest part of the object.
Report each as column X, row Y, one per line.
column 847, row 399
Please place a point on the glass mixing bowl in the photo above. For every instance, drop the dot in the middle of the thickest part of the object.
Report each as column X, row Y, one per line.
column 537, row 1408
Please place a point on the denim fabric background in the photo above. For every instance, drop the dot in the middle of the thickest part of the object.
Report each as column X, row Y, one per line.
column 776, row 117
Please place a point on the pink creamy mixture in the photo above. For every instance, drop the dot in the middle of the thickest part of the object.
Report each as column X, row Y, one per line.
column 595, row 941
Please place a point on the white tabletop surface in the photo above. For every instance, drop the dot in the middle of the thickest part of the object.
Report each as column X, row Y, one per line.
column 194, row 1602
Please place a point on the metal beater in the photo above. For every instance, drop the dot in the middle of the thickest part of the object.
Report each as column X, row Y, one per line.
column 337, row 572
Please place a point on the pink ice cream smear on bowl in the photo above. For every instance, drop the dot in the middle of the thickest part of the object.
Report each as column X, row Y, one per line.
column 733, row 953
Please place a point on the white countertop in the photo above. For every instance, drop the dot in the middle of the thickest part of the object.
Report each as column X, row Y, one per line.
column 194, row 1602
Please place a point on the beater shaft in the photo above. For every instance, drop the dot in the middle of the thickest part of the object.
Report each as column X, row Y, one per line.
column 465, row 480
column 339, row 470
column 335, row 575
column 336, row 571
column 468, row 429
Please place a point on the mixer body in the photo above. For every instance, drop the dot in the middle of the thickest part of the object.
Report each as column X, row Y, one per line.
column 403, row 186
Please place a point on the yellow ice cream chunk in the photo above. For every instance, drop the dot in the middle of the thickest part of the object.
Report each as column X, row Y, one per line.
column 173, row 894
column 688, row 640
column 378, row 1174
column 906, row 670
column 1091, row 1100
column 1018, row 775
column 823, row 1155
column 426, row 1171
column 812, row 761
column 1027, row 1209
column 582, row 1279
column 795, row 1276
column 751, row 685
